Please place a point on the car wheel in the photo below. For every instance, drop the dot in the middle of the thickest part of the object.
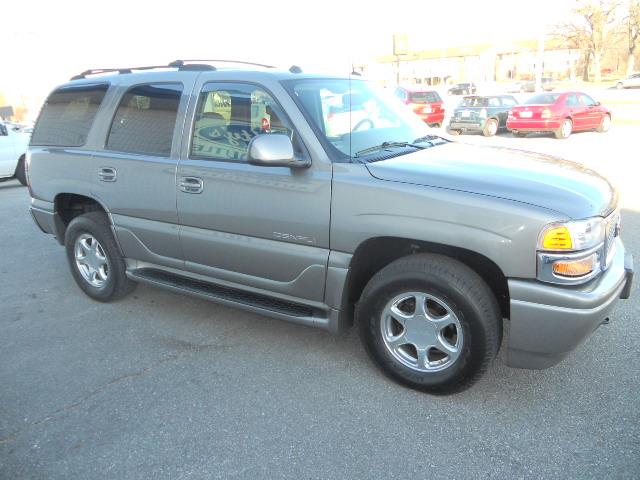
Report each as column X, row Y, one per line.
column 605, row 124
column 564, row 130
column 20, row 174
column 619, row 85
column 94, row 258
column 430, row 322
column 490, row 127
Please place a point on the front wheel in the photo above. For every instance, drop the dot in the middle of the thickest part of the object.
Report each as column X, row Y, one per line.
column 94, row 258
column 21, row 174
column 430, row 322
column 564, row 130
column 605, row 124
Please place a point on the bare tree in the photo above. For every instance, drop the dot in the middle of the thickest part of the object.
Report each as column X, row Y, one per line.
column 591, row 31
column 633, row 25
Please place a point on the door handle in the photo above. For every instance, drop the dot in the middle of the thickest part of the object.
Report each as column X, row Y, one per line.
column 107, row 174
column 191, row 184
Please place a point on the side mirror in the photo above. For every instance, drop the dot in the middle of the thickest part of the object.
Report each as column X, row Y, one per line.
column 273, row 150
column 597, row 104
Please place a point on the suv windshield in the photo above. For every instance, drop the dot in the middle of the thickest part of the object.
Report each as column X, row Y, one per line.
column 354, row 115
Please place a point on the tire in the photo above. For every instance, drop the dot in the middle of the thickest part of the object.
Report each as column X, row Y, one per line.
column 20, row 174
column 108, row 282
column 490, row 127
column 605, row 124
column 449, row 286
column 564, row 130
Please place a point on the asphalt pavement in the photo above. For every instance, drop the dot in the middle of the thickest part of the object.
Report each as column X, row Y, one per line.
column 162, row 386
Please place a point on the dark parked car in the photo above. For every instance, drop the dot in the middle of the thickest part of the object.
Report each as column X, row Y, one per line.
column 547, row 84
column 427, row 104
column 481, row 114
column 462, row 89
column 560, row 113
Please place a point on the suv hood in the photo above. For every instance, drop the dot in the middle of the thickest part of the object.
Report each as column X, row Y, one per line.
column 532, row 178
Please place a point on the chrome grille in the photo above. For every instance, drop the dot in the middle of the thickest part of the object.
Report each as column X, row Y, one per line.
column 611, row 232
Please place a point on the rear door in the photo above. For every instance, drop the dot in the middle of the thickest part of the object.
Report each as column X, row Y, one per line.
column 256, row 227
column 577, row 111
column 134, row 173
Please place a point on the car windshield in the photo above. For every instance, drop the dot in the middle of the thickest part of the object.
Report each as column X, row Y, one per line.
column 354, row 115
column 543, row 99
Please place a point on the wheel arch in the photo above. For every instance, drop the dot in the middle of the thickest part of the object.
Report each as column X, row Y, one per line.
column 70, row 205
column 375, row 253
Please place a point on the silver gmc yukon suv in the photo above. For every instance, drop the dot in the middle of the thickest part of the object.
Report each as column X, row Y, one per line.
column 323, row 201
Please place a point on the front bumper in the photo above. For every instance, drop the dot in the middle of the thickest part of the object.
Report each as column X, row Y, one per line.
column 549, row 321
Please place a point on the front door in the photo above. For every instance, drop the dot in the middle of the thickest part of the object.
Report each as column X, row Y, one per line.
column 134, row 174
column 257, row 227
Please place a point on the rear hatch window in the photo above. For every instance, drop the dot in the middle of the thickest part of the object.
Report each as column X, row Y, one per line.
column 425, row 97
column 67, row 115
column 543, row 99
column 471, row 102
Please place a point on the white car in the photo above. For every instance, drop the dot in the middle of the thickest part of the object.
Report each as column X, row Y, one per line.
column 632, row 81
column 13, row 148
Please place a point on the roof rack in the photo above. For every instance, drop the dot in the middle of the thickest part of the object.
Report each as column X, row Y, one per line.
column 180, row 63
column 179, row 66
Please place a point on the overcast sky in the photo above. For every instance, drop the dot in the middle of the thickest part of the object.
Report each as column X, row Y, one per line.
column 48, row 41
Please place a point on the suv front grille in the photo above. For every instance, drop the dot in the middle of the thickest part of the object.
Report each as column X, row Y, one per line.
column 612, row 227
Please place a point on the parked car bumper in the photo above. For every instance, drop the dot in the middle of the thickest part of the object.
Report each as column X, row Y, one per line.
column 430, row 118
column 533, row 125
column 475, row 126
column 548, row 322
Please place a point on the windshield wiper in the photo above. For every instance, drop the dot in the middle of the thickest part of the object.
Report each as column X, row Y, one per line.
column 431, row 139
column 385, row 145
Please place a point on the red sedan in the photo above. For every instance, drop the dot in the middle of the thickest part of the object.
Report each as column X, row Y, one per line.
column 427, row 104
column 560, row 113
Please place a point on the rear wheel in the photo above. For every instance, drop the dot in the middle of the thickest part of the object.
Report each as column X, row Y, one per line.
column 564, row 130
column 20, row 174
column 430, row 322
column 490, row 127
column 94, row 258
column 605, row 124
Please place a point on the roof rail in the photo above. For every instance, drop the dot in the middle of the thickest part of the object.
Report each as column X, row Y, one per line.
column 179, row 66
column 240, row 62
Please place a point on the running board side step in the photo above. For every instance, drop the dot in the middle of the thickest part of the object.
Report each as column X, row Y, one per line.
column 253, row 302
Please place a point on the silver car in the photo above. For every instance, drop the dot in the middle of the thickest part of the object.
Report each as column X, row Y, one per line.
column 235, row 185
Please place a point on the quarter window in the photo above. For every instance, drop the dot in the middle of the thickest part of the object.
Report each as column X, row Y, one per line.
column 145, row 120
column 228, row 116
column 67, row 115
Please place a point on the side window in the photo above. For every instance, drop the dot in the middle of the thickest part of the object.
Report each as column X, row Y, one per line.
column 494, row 102
column 67, row 115
column 228, row 116
column 572, row 101
column 587, row 100
column 145, row 120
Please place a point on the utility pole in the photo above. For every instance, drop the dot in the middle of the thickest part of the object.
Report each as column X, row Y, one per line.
column 540, row 62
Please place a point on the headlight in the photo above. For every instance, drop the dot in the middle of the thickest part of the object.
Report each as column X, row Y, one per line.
column 572, row 236
column 571, row 252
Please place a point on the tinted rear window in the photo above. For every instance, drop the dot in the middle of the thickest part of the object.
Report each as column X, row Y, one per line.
column 543, row 99
column 425, row 97
column 145, row 120
column 67, row 116
column 474, row 102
